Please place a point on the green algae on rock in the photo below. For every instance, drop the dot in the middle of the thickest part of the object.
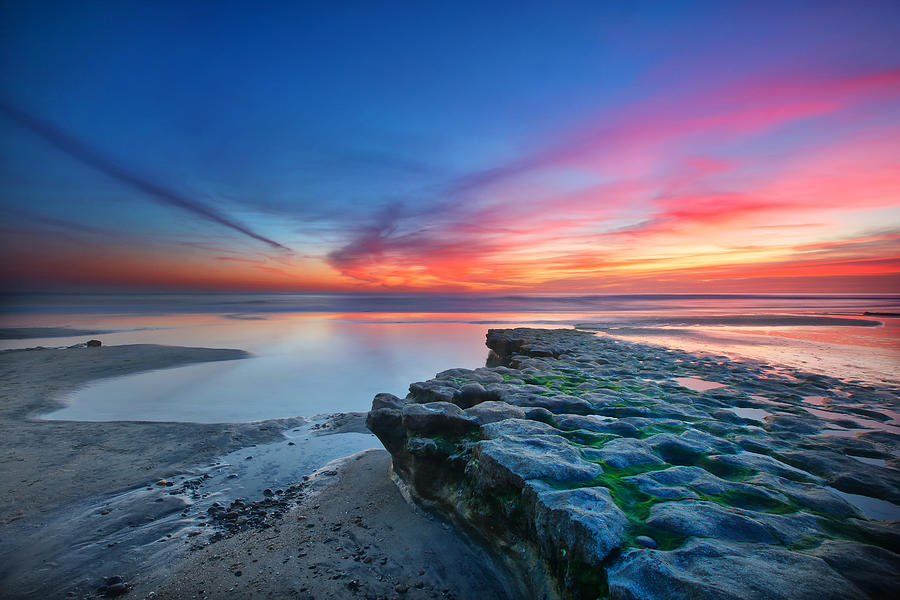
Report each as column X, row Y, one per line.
column 591, row 472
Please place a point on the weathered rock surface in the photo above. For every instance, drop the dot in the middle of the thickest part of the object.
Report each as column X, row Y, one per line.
column 708, row 569
column 584, row 464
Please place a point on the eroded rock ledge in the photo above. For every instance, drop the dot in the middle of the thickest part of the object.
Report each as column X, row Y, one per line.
column 593, row 473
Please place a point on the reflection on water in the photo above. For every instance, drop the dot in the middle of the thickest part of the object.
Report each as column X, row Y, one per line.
column 300, row 367
column 871, row 507
column 317, row 353
column 848, row 420
column 754, row 414
column 845, row 433
column 697, row 384
column 869, row 354
column 153, row 527
column 878, row 462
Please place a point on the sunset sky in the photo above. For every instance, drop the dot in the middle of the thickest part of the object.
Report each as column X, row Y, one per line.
column 605, row 147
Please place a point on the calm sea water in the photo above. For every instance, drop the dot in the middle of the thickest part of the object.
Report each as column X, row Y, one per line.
column 317, row 353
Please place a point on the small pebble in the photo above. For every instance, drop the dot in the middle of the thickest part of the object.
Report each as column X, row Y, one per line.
column 116, row 589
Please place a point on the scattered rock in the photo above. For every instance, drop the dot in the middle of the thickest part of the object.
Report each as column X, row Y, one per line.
column 116, row 589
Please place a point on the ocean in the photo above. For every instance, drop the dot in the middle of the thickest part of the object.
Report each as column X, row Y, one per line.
column 324, row 353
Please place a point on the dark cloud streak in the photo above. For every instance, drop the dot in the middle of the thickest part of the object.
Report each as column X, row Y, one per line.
column 90, row 157
column 369, row 241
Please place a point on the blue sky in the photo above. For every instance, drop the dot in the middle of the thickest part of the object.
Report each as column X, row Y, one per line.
column 338, row 129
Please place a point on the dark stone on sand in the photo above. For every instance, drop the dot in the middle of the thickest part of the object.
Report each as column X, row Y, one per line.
column 93, row 343
column 116, row 589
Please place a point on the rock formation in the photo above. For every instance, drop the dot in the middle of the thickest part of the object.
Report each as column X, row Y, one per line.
column 591, row 473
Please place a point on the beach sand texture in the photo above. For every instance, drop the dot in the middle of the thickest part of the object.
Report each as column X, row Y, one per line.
column 50, row 462
column 60, row 479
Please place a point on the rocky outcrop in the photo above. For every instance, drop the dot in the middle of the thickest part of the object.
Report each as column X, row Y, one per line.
column 592, row 473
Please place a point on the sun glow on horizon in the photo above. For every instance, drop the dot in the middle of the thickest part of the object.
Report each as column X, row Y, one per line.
column 755, row 169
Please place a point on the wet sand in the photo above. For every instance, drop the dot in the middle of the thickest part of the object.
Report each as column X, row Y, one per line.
column 80, row 500
column 352, row 536
column 45, row 463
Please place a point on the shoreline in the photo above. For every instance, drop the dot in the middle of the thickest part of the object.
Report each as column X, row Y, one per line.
column 29, row 333
column 48, row 461
column 54, row 472
column 85, row 501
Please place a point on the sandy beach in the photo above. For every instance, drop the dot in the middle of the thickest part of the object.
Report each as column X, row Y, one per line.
column 46, row 463
column 77, row 495
column 353, row 536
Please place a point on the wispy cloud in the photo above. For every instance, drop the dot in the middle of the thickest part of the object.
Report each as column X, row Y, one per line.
column 659, row 196
column 80, row 151
column 663, row 207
